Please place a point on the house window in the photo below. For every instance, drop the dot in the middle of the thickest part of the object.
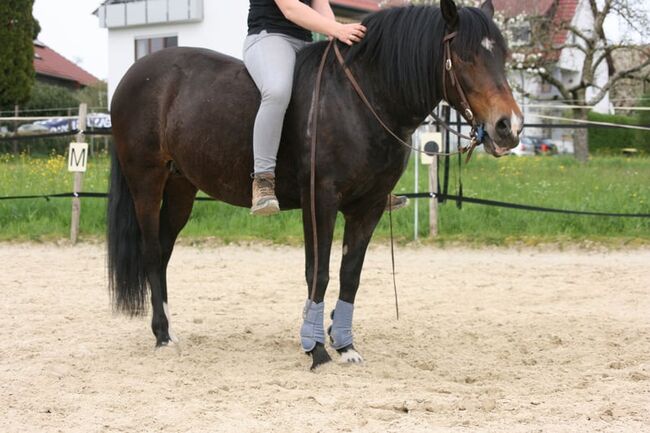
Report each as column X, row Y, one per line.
column 146, row 46
column 520, row 34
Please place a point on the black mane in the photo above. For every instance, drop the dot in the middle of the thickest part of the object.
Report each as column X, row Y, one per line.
column 402, row 50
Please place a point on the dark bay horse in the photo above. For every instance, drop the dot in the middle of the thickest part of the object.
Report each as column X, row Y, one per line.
column 183, row 121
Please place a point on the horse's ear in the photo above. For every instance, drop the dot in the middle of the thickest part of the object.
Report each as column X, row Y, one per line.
column 449, row 13
column 488, row 8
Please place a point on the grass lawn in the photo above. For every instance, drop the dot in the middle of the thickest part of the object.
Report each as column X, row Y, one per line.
column 607, row 184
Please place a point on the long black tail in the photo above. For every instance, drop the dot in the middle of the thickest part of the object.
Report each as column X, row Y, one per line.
column 127, row 280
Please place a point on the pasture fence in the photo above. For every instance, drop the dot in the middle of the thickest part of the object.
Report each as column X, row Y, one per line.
column 439, row 188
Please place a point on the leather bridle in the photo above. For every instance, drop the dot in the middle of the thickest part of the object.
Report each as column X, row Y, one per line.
column 477, row 133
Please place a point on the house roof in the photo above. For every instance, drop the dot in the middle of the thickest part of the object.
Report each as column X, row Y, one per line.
column 52, row 64
column 564, row 13
column 512, row 8
column 558, row 11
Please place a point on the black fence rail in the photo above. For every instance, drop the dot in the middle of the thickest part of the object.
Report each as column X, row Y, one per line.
column 426, row 195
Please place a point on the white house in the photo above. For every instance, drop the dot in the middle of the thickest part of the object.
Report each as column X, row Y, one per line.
column 139, row 27
column 566, row 64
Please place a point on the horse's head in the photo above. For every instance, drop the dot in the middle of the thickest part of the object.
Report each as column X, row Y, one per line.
column 478, row 53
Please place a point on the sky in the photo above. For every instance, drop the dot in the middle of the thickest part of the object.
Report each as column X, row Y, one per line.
column 70, row 28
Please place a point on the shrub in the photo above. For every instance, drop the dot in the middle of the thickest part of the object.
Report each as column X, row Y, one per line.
column 48, row 96
column 613, row 140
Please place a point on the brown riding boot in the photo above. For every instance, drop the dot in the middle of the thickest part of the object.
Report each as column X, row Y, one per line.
column 396, row 202
column 264, row 200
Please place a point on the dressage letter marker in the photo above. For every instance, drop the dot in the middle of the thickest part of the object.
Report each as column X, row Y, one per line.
column 78, row 157
column 431, row 145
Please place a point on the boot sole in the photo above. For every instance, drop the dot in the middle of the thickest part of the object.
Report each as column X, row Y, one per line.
column 269, row 207
column 400, row 206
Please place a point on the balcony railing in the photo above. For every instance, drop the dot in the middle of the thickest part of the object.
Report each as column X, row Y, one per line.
column 149, row 12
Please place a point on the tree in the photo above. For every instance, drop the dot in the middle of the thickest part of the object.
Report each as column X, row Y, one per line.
column 17, row 29
column 644, row 119
column 589, row 46
column 591, row 50
column 95, row 95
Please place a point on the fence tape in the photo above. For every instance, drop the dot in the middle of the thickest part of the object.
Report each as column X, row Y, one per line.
column 590, row 107
column 591, row 122
column 37, row 136
column 54, row 134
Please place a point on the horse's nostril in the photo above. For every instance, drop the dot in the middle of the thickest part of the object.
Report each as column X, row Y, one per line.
column 503, row 126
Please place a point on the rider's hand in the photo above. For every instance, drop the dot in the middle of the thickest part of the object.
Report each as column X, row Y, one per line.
column 350, row 33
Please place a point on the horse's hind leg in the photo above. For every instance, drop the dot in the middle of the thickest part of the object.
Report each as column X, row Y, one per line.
column 178, row 199
column 147, row 193
column 359, row 226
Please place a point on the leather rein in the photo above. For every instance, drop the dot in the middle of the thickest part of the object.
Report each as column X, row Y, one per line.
column 477, row 132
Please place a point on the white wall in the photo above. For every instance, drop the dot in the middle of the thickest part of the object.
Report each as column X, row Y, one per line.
column 223, row 29
column 572, row 59
column 531, row 84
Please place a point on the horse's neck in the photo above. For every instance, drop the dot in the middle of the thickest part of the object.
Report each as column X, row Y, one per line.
column 402, row 120
column 401, row 116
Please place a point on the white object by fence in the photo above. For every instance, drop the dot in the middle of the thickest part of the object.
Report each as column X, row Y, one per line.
column 423, row 135
column 78, row 178
column 77, row 157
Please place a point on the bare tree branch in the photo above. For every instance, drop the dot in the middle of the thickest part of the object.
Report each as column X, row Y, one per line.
column 633, row 14
column 607, row 51
column 627, row 73
column 517, row 88
column 589, row 40
column 574, row 46
column 599, row 16
column 559, row 85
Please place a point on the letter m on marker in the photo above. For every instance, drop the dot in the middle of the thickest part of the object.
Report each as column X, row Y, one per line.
column 77, row 156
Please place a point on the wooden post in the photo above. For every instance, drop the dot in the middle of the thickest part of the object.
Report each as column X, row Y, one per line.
column 433, row 202
column 14, row 144
column 78, row 178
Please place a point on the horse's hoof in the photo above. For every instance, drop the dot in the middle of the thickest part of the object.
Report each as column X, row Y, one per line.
column 172, row 343
column 349, row 355
column 319, row 356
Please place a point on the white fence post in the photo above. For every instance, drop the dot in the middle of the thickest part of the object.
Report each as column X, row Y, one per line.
column 416, row 188
column 433, row 201
column 78, row 178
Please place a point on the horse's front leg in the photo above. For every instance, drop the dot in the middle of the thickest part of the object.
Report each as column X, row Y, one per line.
column 312, row 332
column 359, row 226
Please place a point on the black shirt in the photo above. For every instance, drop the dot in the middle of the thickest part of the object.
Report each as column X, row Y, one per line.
column 266, row 15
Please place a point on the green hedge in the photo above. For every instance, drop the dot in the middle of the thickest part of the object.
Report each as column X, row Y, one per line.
column 48, row 96
column 613, row 140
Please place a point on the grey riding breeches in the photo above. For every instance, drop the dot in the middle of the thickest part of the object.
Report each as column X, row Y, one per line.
column 270, row 59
